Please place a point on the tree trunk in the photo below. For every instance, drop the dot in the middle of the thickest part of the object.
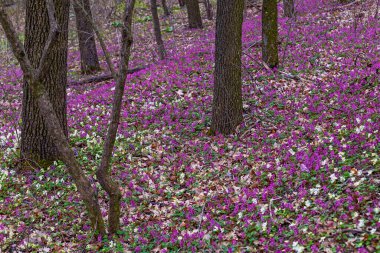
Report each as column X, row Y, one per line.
column 227, row 110
column 88, row 55
column 270, row 33
column 181, row 3
column 289, row 10
column 208, row 6
column 194, row 14
column 165, row 7
column 36, row 144
column 157, row 29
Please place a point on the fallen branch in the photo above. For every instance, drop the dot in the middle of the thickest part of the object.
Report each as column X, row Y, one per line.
column 105, row 77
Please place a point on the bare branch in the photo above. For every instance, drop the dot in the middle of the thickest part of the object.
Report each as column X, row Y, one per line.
column 53, row 35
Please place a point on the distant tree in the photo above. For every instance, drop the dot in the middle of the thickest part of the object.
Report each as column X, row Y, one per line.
column 209, row 11
column 87, row 46
column 270, row 33
column 227, row 108
column 289, row 10
column 194, row 14
column 165, row 7
column 157, row 29
column 36, row 144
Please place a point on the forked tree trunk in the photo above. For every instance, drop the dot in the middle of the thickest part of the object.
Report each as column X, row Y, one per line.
column 194, row 14
column 289, row 10
column 36, row 143
column 157, row 29
column 87, row 47
column 227, row 109
column 270, row 33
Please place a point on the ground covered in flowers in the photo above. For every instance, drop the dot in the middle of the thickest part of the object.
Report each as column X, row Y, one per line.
column 302, row 173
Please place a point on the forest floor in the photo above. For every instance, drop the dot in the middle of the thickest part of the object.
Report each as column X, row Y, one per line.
column 301, row 174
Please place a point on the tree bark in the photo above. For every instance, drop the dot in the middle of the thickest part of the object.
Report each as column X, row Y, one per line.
column 87, row 47
column 157, row 29
column 209, row 12
column 289, row 10
column 227, row 110
column 270, row 33
column 104, row 171
column 35, row 76
column 165, row 7
column 36, row 144
column 194, row 14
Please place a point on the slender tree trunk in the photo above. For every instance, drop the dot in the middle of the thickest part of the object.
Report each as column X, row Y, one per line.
column 104, row 171
column 157, row 29
column 227, row 110
column 181, row 3
column 87, row 47
column 289, row 10
column 165, row 7
column 208, row 6
column 270, row 33
column 194, row 14
column 36, row 144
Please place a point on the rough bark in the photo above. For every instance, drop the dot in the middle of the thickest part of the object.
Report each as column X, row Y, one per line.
column 194, row 14
column 165, row 7
column 270, row 33
column 87, row 47
column 104, row 171
column 227, row 110
column 36, row 144
column 35, row 76
column 157, row 29
column 289, row 10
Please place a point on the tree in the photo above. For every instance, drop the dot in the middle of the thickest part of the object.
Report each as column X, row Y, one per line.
column 157, row 29
column 209, row 12
column 86, row 37
column 181, row 3
column 39, row 92
column 227, row 109
column 270, row 33
column 36, row 144
column 289, row 10
column 194, row 14
column 165, row 7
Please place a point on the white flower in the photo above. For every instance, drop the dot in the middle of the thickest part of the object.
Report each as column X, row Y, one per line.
column 358, row 120
column 264, row 226
column 314, row 191
column 361, row 223
column 297, row 248
column 307, row 203
column 333, row 178
column 291, row 151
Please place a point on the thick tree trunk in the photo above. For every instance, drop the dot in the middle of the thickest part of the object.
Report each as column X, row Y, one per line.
column 270, row 33
column 87, row 47
column 36, row 144
column 194, row 14
column 157, row 29
column 165, row 7
column 227, row 110
column 289, row 10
